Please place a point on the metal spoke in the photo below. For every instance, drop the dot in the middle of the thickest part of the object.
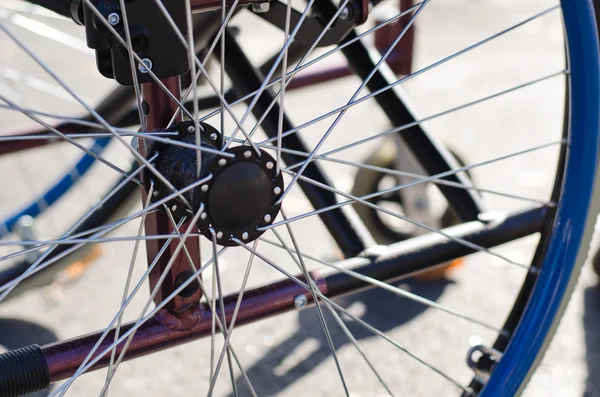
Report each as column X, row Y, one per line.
column 362, row 200
column 358, row 320
column 414, row 74
column 284, row 64
column 116, row 317
column 193, row 85
column 155, row 290
column 206, row 76
column 410, row 175
column 226, row 331
column 126, row 288
column 354, row 96
column 270, row 74
column 352, row 339
column 292, row 73
column 428, row 118
column 63, row 136
column 136, row 82
column 212, row 306
column 302, row 66
column 383, row 285
column 93, row 112
column 130, row 331
column 212, row 47
column 313, row 288
column 35, row 267
column 403, row 186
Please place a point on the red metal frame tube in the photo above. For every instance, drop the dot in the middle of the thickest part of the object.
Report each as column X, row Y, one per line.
column 64, row 358
column 400, row 260
column 159, row 108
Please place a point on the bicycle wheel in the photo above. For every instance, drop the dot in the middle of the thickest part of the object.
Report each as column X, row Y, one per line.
column 261, row 186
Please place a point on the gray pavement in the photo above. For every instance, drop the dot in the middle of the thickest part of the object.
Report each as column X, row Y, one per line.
column 288, row 355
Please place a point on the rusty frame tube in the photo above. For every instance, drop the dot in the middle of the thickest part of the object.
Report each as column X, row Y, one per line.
column 398, row 261
column 158, row 110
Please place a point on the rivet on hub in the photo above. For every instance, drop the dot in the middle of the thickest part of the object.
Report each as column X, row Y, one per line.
column 267, row 218
column 220, row 235
column 247, row 154
column 277, row 190
column 222, row 162
column 270, row 165
column 204, row 188
column 245, row 236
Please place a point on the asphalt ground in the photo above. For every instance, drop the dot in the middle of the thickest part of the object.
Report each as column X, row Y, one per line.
column 289, row 355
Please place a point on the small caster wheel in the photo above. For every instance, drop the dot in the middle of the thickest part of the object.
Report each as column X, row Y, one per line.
column 384, row 228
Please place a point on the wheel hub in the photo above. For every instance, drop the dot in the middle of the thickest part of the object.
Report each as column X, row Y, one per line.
column 239, row 198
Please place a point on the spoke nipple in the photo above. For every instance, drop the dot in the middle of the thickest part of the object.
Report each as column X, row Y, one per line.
column 245, row 236
column 213, row 136
column 300, row 301
column 222, row 162
column 113, row 18
column 270, row 165
column 203, row 215
column 220, row 235
column 277, row 190
column 191, row 129
column 145, row 66
column 204, row 188
column 247, row 154
column 267, row 218
column 174, row 208
column 261, row 8
column 533, row 270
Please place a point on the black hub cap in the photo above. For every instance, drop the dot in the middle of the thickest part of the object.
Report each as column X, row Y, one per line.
column 240, row 196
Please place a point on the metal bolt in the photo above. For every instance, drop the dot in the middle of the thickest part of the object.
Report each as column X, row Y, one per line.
column 203, row 215
column 204, row 188
column 261, row 8
column 220, row 235
column 267, row 218
column 277, row 190
column 345, row 13
column 222, row 162
column 174, row 208
column 145, row 66
column 247, row 154
column 113, row 18
column 245, row 236
column 300, row 301
column 213, row 136
column 191, row 129
column 270, row 165
column 155, row 193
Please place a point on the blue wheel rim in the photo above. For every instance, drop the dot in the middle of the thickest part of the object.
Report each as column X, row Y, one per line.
column 573, row 207
column 56, row 191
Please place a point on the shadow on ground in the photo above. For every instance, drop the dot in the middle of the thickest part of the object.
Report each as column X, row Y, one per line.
column 19, row 333
column 380, row 309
